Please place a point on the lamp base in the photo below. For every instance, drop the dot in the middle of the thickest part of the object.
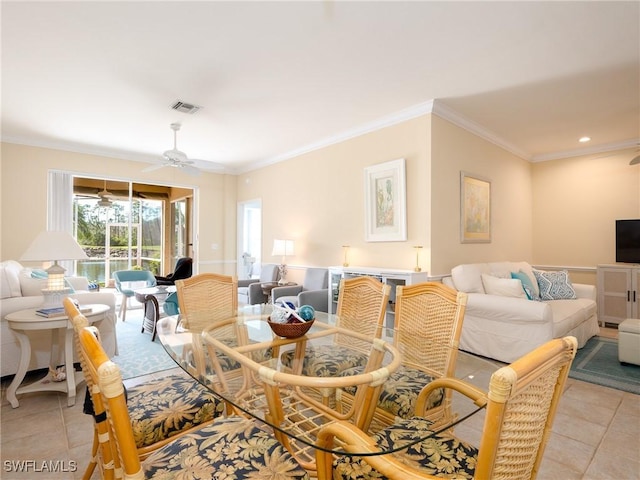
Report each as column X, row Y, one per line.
column 283, row 274
column 53, row 298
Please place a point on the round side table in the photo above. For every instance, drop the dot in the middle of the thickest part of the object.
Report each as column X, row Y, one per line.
column 27, row 320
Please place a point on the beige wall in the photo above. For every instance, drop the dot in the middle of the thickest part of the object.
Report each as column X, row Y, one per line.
column 454, row 150
column 557, row 213
column 24, row 199
column 577, row 201
column 317, row 199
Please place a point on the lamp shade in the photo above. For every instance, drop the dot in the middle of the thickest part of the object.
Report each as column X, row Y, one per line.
column 53, row 245
column 283, row 248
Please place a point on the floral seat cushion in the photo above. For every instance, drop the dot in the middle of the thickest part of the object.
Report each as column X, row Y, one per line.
column 400, row 392
column 442, row 455
column 227, row 364
column 327, row 360
column 164, row 407
column 229, row 448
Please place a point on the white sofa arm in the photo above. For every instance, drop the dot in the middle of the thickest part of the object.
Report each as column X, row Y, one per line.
column 585, row 291
column 78, row 283
column 508, row 309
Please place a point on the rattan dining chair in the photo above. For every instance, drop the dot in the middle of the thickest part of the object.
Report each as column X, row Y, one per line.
column 205, row 299
column 208, row 294
column 362, row 304
column 231, row 447
column 361, row 308
column 520, row 408
column 158, row 410
column 428, row 324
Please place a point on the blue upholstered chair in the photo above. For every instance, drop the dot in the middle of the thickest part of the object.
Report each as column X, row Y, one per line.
column 127, row 280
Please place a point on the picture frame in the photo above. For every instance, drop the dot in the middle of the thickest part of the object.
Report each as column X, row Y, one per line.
column 385, row 202
column 475, row 209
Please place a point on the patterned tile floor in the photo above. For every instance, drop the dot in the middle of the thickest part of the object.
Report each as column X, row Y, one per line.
column 596, row 435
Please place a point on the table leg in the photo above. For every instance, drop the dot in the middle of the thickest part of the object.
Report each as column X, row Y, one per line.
column 25, row 356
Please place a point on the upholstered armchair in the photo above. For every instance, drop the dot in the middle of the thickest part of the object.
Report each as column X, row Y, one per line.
column 249, row 290
column 127, row 280
column 182, row 270
column 314, row 290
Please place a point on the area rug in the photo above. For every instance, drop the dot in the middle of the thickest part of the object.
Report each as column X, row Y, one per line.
column 597, row 362
column 137, row 354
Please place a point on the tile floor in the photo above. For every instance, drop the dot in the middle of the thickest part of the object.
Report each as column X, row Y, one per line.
column 596, row 435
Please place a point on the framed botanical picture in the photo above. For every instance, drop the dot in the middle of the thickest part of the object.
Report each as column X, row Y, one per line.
column 475, row 209
column 385, row 202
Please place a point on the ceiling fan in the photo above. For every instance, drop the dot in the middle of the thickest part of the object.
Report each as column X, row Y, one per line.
column 105, row 197
column 176, row 158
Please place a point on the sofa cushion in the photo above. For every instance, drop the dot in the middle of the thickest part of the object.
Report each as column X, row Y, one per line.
column 554, row 285
column 467, row 278
column 568, row 314
column 506, row 287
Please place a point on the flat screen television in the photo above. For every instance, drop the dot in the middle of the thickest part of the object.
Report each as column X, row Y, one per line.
column 628, row 241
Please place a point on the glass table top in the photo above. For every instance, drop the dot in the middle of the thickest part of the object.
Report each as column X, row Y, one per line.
column 299, row 385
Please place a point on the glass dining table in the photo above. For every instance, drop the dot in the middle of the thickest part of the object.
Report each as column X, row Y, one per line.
column 261, row 375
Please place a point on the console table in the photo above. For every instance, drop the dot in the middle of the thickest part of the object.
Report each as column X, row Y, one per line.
column 24, row 321
column 389, row 276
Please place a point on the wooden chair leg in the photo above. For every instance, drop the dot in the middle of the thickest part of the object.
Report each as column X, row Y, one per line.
column 94, row 457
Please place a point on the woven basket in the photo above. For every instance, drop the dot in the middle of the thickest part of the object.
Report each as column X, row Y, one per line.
column 290, row 330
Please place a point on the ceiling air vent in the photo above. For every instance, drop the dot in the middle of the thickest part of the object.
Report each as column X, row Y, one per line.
column 185, row 107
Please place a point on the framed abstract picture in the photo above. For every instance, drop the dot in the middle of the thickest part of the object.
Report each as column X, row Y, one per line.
column 475, row 209
column 385, row 202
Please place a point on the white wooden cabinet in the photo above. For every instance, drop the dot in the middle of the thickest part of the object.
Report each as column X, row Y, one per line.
column 618, row 292
column 389, row 276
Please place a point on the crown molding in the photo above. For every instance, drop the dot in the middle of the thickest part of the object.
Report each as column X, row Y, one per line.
column 609, row 147
column 447, row 113
column 384, row 122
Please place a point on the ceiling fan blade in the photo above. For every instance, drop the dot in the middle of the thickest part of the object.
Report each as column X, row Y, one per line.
column 635, row 160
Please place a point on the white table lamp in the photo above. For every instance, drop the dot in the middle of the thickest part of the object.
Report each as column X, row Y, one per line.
column 54, row 246
column 283, row 248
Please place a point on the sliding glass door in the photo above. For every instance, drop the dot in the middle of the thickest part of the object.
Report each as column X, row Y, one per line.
column 118, row 234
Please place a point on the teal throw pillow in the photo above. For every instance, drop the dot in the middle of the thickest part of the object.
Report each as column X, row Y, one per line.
column 527, row 284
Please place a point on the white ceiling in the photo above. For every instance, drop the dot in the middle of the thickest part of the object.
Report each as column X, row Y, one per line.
column 279, row 78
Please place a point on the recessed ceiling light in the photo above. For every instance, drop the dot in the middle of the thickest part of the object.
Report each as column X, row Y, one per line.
column 584, row 139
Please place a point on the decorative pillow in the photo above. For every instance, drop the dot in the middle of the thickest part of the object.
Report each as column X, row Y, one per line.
column 32, row 287
column 506, row 287
column 554, row 285
column 527, row 284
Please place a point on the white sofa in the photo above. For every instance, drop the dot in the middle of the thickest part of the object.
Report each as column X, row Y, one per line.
column 502, row 323
column 18, row 291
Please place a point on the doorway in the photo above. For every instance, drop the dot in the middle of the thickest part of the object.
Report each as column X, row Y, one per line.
column 249, row 239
